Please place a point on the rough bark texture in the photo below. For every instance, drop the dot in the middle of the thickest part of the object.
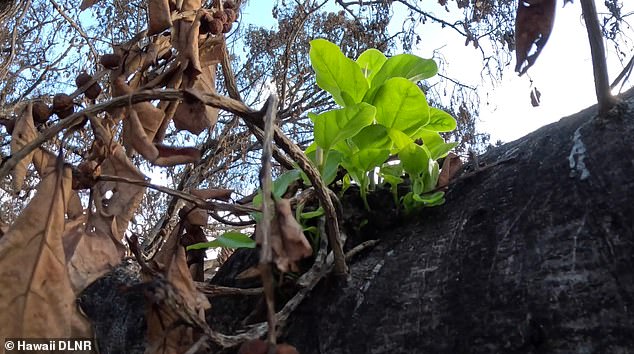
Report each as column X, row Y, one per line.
column 532, row 253
column 535, row 255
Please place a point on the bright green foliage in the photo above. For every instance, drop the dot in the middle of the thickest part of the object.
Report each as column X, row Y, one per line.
column 383, row 114
column 409, row 66
column 371, row 62
column 231, row 239
column 336, row 73
column 339, row 124
column 401, row 105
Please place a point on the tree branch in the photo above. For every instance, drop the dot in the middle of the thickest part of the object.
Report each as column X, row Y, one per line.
column 601, row 82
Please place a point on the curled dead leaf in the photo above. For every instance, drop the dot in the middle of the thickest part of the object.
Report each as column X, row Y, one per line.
column 159, row 15
column 140, row 127
column 194, row 216
column 287, row 238
column 533, row 25
column 166, row 333
column 535, row 97
column 37, row 299
column 115, row 202
column 450, row 167
column 23, row 133
column 89, row 255
column 213, row 193
column 192, row 114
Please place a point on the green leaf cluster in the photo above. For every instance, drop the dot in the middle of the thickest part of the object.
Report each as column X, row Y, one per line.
column 384, row 115
column 230, row 239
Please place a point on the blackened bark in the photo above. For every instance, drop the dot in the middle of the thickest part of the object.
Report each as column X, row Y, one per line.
column 535, row 255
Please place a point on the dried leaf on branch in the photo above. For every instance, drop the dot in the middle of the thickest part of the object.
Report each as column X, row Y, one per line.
column 192, row 114
column 533, row 25
column 287, row 238
column 115, row 202
column 174, row 301
column 23, row 133
column 140, row 126
column 160, row 17
column 36, row 298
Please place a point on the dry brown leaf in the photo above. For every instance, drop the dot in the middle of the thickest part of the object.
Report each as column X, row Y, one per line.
column 114, row 212
column 159, row 15
column 195, row 258
column 450, row 168
column 23, row 133
column 211, row 52
column 192, row 114
column 164, row 335
column 535, row 97
column 36, row 298
column 197, row 216
column 213, row 193
column 287, row 238
column 149, row 116
column 533, row 25
column 189, row 54
column 178, row 275
column 87, row 3
column 89, row 255
column 75, row 209
column 170, row 155
column 295, row 243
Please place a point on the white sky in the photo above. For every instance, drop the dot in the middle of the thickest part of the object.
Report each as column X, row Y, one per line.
column 563, row 72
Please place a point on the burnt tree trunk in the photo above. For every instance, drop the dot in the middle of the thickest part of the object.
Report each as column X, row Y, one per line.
column 534, row 255
column 533, row 252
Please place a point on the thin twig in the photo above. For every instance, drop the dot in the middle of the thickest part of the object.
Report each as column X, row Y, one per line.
column 74, row 25
column 215, row 290
column 199, row 202
column 268, row 210
column 210, row 99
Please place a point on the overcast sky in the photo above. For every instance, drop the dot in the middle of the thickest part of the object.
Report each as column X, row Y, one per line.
column 563, row 72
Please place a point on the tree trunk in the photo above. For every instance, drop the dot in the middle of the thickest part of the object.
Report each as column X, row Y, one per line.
column 535, row 255
column 532, row 253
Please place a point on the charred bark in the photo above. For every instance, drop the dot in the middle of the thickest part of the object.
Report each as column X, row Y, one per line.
column 533, row 252
column 535, row 255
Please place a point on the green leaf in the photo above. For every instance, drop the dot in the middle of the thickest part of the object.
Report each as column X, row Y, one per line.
column 281, row 183
column 312, row 214
column 365, row 160
column 337, row 73
column 441, row 150
column 392, row 174
column 435, row 143
column 408, row 66
column 371, row 62
column 415, row 160
column 328, row 169
column 432, row 199
column 431, row 178
column 230, row 239
column 400, row 139
column 401, row 105
column 440, row 121
column 336, row 125
column 372, row 137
